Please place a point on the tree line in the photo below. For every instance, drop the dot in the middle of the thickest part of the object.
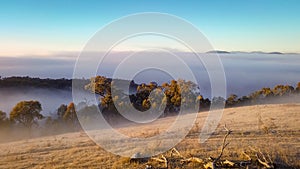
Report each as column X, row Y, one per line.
column 167, row 97
column 173, row 98
column 264, row 95
column 26, row 116
column 16, row 81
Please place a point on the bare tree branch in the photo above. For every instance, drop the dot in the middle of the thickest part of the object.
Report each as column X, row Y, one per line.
column 224, row 144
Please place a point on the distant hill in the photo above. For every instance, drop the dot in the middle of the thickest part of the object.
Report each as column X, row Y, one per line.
column 63, row 84
column 260, row 52
column 218, row 51
column 21, row 82
column 237, row 52
column 276, row 53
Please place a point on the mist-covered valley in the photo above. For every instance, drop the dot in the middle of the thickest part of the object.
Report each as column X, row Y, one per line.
column 244, row 74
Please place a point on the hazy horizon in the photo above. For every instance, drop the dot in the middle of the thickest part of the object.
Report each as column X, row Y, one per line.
column 255, row 70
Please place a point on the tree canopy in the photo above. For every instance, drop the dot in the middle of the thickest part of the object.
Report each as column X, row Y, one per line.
column 176, row 94
column 26, row 113
column 173, row 92
column 70, row 116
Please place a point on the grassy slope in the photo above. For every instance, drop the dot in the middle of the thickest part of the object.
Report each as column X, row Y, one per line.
column 277, row 133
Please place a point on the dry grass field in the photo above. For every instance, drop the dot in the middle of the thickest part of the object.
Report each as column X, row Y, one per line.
column 274, row 130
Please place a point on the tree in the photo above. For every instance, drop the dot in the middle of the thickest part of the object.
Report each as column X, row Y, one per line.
column 218, row 100
column 146, row 104
column 26, row 113
column 298, row 87
column 2, row 116
column 244, row 100
column 70, row 115
column 178, row 94
column 281, row 90
column 61, row 111
column 231, row 100
column 3, row 119
column 267, row 92
column 256, row 96
column 88, row 114
column 99, row 85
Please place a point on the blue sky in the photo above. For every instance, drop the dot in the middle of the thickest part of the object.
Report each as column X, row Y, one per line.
column 43, row 27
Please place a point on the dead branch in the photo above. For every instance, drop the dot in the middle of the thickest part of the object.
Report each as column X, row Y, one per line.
column 209, row 165
column 162, row 159
column 228, row 163
column 224, row 144
column 247, row 156
column 264, row 161
column 213, row 161
column 192, row 160
column 175, row 152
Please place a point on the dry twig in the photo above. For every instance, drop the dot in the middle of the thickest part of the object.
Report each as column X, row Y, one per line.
column 224, row 144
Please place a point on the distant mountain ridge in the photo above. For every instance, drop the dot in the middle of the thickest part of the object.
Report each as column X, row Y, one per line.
column 254, row 52
column 218, row 51
column 63, row 84
column 21, row 82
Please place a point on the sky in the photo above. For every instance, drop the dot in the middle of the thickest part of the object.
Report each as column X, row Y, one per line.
column 40, row 28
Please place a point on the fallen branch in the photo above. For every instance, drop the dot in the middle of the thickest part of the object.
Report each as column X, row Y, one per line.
column 247, row 156
column 162, row 159
column 228, row 163
column 192, row 160
column 176, row 152
column 264, row 161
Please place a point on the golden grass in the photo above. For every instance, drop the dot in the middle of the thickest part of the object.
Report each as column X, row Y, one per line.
column 274, row 129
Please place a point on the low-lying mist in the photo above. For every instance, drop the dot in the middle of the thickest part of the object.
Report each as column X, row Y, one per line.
column 50, row 99
column 244, row 72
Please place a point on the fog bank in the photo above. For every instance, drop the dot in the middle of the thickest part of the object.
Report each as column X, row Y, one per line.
column 244, row 72
column 50, row 99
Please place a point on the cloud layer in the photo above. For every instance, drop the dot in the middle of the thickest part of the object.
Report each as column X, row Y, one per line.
column 244, row 72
